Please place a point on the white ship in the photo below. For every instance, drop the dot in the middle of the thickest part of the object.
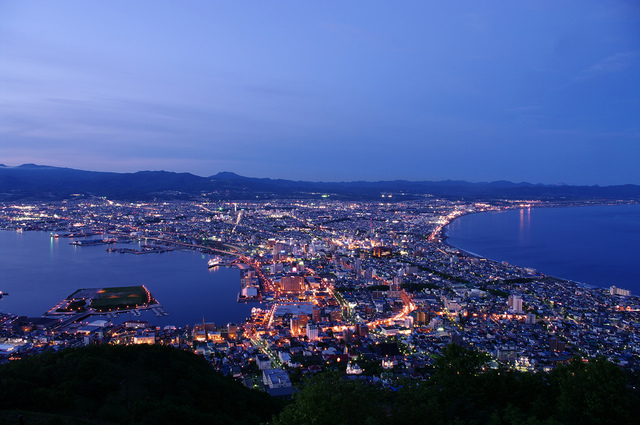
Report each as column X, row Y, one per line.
column 215, row 262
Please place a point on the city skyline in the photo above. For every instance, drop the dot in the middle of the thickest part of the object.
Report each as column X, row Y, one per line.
column 534, row 91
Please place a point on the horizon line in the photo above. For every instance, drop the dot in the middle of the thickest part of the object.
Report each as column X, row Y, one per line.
column 560, row 184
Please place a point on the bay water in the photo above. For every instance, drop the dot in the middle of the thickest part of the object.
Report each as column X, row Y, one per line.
column 39, row 271
column 595, row 245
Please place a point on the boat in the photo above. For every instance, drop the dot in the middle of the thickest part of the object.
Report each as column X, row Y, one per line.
column 215, row 261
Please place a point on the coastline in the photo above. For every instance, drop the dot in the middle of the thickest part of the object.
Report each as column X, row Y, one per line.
column 538, row 273
column 445, row 238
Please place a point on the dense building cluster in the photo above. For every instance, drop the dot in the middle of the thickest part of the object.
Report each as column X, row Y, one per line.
column 369, row 288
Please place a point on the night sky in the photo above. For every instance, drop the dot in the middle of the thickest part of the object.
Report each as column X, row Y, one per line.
column 537, row 91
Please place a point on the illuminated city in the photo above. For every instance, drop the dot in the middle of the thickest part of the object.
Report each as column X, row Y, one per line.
column 319, row 212
column 370, row 287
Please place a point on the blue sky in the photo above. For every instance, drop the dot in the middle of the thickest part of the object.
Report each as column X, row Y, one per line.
column 537, row 91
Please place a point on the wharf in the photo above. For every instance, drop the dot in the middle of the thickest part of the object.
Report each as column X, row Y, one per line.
column 144, row 250
column 93, row 242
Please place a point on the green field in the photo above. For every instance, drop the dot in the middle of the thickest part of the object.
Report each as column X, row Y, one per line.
column 108, row 299
column 120, row 298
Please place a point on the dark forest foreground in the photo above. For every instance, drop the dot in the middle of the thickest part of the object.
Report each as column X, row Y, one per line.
column 161, row 385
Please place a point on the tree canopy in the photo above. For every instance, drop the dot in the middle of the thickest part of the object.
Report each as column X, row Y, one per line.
column 161, row 385
column 142, row 384
column 463, row 390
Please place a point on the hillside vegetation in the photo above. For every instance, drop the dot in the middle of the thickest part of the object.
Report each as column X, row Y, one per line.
column 161, row 385
column 136, row 384
column 462, row 390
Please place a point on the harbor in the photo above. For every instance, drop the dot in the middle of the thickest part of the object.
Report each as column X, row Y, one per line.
column 172, row 277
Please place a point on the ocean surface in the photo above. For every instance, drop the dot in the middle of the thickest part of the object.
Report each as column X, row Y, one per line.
column 39, row 271
column 595, row 245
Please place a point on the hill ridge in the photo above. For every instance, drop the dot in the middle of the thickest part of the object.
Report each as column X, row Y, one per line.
column 32, row 181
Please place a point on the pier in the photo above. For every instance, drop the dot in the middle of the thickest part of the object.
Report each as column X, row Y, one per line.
column 145, row 250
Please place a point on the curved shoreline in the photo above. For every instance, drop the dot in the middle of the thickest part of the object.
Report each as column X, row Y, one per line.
column 445, row 239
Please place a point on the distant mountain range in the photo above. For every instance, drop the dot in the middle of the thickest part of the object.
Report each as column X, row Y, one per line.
column 30, row 181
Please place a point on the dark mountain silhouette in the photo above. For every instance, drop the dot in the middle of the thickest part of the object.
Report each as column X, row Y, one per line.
column 30, row 181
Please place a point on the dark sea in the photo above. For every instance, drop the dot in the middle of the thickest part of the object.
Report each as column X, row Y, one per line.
column 39, row 271
column 595, row 245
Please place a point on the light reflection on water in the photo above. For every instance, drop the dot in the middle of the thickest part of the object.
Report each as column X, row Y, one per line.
column 595, row 245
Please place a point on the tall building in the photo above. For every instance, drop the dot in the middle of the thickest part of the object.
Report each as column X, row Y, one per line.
column 304, row 319
column 294, row 325
column 556, row 344
column 292, row 284
column 316, row 315
column 232, row 330
column 368, row 274
column 515, row 303
column 362, row 330
column 397, row 282
column 335, row 315
column 312, row 332
column 422, row 317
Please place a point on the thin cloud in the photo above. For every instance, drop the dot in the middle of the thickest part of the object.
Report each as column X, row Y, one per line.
column 614, row 63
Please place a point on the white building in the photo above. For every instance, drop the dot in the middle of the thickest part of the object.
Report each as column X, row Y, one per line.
column 263, row 362
column 277, row 382
column 515, row 303
column 389, row 330
column 276, row 378
column 284, row 357
column 144, row 339
column 312, row 332
column 619, row 291
column 353, row 369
